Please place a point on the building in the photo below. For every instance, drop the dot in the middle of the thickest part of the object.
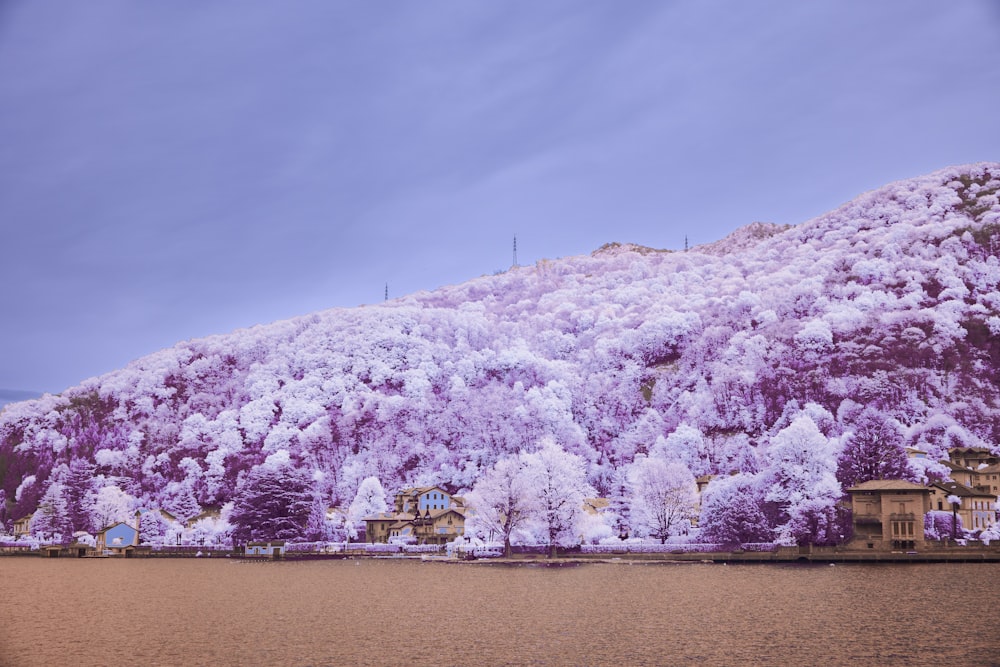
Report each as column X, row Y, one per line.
column 22, row 527
column 889, row 514
column 988, row 479
column 423, row 515
column 972, row 457
column 961, row 474
column 118, row 539
column 210, row 514
column 976, row 507
column 273, row 549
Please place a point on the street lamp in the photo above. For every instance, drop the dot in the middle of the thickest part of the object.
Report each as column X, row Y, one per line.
column 954, row 501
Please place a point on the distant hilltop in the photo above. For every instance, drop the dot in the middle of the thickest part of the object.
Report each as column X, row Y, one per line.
column 14, row 395
column 885, row 310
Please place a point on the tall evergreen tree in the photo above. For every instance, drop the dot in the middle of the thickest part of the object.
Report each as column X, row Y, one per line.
column 51, row 519
column 4, row 513
column 274, row 502
column 80, row 494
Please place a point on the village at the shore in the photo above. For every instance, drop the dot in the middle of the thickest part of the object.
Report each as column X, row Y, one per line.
column 888, row 517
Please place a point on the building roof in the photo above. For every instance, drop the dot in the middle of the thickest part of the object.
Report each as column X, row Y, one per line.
column 162, row 512
column 115, row 524
column 420, row 490
column 887, row 485
column 962, row 491
column 389, row 516
column 951, row 465
column 971, row 450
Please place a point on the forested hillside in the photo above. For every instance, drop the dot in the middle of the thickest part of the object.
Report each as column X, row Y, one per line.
column 886, row 311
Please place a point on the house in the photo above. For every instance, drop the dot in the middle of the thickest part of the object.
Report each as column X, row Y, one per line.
column 702, row 483
column 118, row 539
column 208, row 514
column 960, row 474
column 377, row 526
column 988, row 479
column 22, row 527
column 976, row 507
column 163, row 514
column 273, row 549
column 420, row 499
column 972, row 457
column 889, row 514
column 424, row 515
column 594, row 506
column 439, row 526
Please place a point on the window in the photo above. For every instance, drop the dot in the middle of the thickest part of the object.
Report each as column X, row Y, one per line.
column 902, row 530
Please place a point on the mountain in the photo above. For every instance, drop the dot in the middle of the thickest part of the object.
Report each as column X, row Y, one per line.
column 890, row 303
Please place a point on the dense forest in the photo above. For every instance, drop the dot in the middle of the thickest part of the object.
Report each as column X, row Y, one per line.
column 742, row 356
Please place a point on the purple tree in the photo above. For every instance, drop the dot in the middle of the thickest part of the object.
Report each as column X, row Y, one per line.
column 4, row 514
column 274, row 502
column 731, row 512
column 874, row 450
column 941, row 525
column 79, row 492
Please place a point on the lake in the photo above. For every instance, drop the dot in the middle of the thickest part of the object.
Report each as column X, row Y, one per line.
column 411, row 612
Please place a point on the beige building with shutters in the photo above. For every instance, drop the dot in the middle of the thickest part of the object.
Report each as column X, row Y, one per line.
column 889, row 514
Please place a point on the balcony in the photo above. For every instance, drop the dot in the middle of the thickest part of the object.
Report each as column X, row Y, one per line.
column 868, row 519
column 906, row 516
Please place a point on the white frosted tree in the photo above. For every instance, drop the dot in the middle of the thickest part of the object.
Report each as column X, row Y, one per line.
column 503, row 500
column 51, row 519
column 112, row 505
column 803, row 482
column 559, row 482
column 369, row 500
column 664, row 496
column 153, row 527
column 686, row 444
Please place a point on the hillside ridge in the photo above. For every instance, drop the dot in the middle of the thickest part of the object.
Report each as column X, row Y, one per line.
column 890, row 303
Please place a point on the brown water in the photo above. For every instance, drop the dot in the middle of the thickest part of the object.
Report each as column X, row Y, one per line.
column 396, row 612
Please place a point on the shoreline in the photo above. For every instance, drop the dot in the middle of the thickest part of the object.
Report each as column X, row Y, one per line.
column 783, row 556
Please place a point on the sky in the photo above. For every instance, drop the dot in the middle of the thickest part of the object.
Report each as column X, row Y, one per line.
column 175, row 170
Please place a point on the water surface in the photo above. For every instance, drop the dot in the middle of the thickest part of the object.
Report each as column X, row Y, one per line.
column 405, row 612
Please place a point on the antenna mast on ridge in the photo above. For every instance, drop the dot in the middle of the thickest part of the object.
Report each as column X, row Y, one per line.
column 387, row 291
column 515, row 249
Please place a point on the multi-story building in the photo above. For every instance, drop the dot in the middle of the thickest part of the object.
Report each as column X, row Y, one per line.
column 889, row 514
column 976, row 507
column 423, row 515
